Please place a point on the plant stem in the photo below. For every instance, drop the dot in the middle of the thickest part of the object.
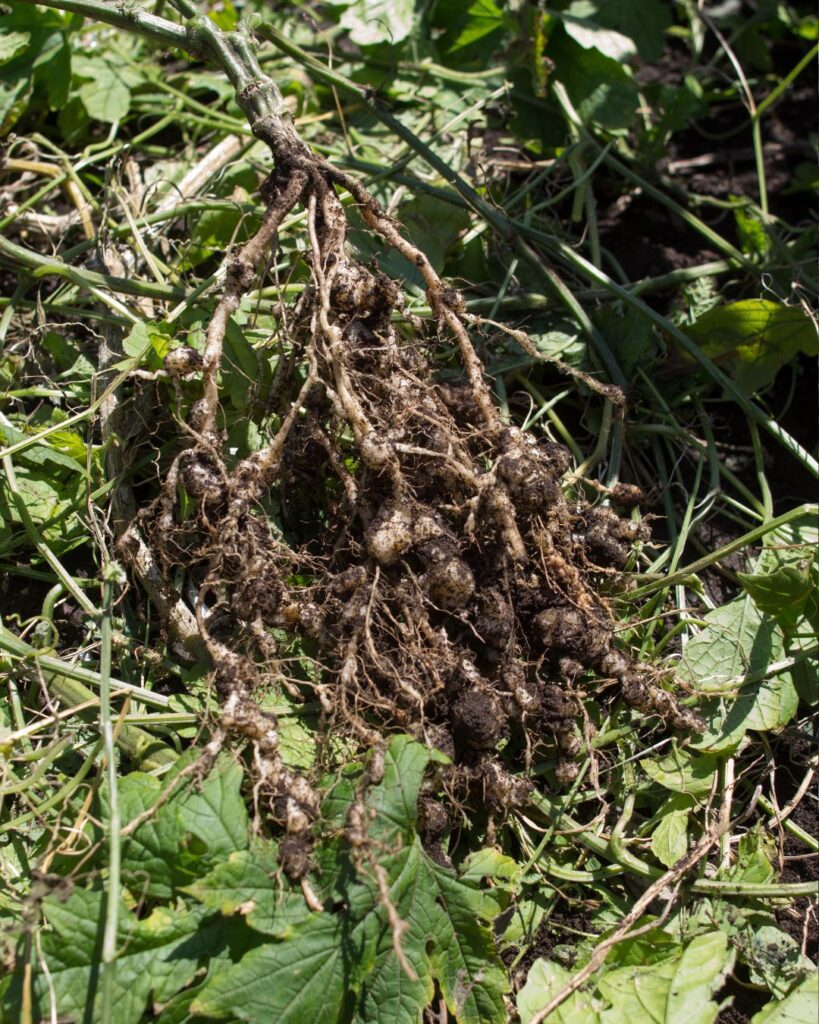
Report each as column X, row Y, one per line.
column 704, row 886
column 128, row 18
column 800, row 512
column 112, row 895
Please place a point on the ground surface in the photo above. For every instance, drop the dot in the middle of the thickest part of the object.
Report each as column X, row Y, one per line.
column 407, row 533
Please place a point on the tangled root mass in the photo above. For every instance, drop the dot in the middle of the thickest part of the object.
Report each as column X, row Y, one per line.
column 433, row 565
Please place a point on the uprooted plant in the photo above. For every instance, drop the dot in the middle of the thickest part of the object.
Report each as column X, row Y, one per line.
column 445, row 584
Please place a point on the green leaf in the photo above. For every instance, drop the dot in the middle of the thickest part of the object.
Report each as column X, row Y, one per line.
column 225, row 16
column 187, row 835
column 676, row 107
column 736, row 639
column 105, row 96
column 797, row 1008
column 669, row 840
column 395, row 799
column 805, row 179
column 379, row 21
column 150, row 857
column 677, row 990
column 753, row 237
column 12, row 44
column 14, row 96
column 297, row 743
column 304, row 978
column 309, row 975
column 650, row 947
column 52, row 67
column 783, row 593
column 52, row 504
column 582, row 25
column 644, row 22
column 138, row 341
column 246, row 883
column 755, row 852
column 770, row 705
column 682, row 771
column 434, row 226
column 157, row 955
column 774, row 958
column 215, row 811
column 559, row 345
column 764, row 705
column 544, row 981
column 240, row 367
column 341, row 963
column 526, row 917
column 629, row 335
column 674, row 987
column 602, row 89
column 214, row 230
column 755, row 338
column 70, row 360
column 41, row 454
column 468, row 29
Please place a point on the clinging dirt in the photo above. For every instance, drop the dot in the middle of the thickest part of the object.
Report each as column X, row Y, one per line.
column 447, row 585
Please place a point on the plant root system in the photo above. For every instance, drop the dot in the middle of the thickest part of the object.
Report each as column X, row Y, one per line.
column 429, row 563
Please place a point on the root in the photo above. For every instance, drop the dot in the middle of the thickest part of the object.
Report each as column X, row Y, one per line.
column 430, row 558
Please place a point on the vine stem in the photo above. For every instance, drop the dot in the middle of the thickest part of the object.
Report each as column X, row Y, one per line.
column 131, row 19
column 615, row 851
column 111, row 575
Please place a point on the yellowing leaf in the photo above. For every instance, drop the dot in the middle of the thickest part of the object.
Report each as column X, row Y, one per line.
column 755, row 338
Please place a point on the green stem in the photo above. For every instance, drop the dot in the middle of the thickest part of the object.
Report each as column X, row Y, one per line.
column 705, row 886
column 112, row 893
column 786, row 82
column 800, row 512
column 45, row 758
column 65, row 578
column 129, row 18
column 62, row 670
column 55, row 799
column 597, row 340
column 40, row 265
column 790, row 826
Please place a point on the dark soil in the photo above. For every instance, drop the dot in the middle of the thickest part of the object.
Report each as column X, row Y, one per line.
column 712, row 158
column 716, row 157
column 801, row 919
column 560, row 928
column 745, row 1003
column 645, row 237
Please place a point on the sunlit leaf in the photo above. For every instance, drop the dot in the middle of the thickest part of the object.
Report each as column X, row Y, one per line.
column 755, row 338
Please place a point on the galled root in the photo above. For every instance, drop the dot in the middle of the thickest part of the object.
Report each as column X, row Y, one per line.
column 430, row 560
